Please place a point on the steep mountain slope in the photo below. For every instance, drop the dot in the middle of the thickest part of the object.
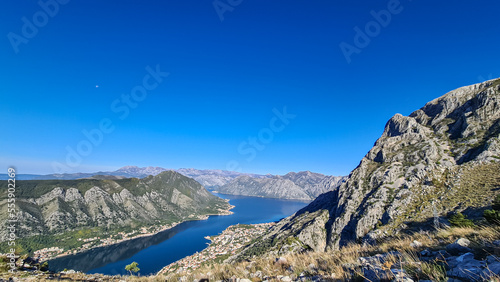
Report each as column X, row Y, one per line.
column 443, row 157
column 56, row 206
column 314, row 184
column 214, row 178
column 274, row 187
column 304, row 185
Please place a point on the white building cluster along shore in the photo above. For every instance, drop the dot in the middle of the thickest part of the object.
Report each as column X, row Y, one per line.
column 221, row 246
column 94, row 242
column 47, row 253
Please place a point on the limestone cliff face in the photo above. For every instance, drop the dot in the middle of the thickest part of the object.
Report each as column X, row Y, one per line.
column 51, row 206
column 214, row 178
column 304, row 185
column 443, row 157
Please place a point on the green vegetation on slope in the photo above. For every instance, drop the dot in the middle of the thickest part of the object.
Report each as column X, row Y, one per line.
column 51, row 217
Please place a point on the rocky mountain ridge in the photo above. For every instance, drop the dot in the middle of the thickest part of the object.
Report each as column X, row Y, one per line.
column 442, row 158
column 56, row 206
column 304, row 185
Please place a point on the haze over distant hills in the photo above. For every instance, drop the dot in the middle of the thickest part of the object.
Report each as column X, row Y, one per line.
column 210, row 178
column 304, row 185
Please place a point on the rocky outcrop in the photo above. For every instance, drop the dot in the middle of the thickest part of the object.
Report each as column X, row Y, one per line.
column 304, row 185
column 464, row 267
column 443, row 157
column 69, row 204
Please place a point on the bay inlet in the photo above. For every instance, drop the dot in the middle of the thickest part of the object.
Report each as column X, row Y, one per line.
column 154, row 252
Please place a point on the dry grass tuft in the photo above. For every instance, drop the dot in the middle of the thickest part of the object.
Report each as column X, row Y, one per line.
column 337, row 265
column 331, row 264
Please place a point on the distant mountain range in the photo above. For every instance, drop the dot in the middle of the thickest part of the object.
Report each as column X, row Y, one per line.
column 303, row 185
column 210, row 178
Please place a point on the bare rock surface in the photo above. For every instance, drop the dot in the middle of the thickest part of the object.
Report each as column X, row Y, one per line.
column 442, row 158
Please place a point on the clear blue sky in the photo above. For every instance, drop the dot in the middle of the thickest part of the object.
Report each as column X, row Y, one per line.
column 226, row 77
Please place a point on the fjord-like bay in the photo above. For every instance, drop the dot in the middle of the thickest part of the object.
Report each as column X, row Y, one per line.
column 154, row 252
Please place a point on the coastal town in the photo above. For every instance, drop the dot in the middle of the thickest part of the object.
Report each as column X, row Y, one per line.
column 222, row 246
column 100, row 241
column 95, row 242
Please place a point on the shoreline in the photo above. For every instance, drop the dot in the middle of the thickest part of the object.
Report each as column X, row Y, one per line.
column 219, row 246
column 200, row 217
column 264, row 197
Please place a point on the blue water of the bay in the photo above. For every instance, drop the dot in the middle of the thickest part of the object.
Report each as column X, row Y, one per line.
column 154, row 252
